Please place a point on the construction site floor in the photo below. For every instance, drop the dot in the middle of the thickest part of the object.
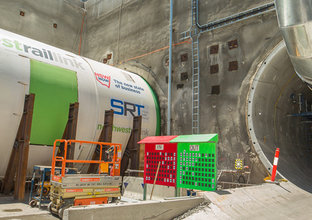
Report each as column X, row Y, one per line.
column 10, row 209
column 266, row 201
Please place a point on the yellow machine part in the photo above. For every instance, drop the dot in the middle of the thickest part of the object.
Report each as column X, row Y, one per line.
column 46, row 188
column 104, row 167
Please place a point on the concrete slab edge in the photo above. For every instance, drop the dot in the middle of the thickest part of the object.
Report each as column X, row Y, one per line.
column 164, row 209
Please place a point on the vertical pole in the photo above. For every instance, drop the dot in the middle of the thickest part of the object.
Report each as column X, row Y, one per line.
column 144, row 191
column 177, row 191
column 65, row 158
column 170, row 70
column 275, row 164
column 42, row 184
column 32, row 186
column 300, row 103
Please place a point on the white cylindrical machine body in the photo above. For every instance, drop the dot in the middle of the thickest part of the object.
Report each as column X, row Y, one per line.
column 58, row 78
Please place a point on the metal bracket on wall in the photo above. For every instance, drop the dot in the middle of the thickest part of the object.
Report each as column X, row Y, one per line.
column 132, row 150
column 262, row 9
column 105, row 136
column 19, row 155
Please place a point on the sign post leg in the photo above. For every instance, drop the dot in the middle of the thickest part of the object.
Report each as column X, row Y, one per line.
column 177, row 192
column 144, row 191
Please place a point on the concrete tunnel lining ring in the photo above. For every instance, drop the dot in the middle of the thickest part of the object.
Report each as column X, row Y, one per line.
column 249, row 101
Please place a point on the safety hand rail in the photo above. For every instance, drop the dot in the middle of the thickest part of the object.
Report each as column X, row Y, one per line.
column 57, row 158
column 115, row 160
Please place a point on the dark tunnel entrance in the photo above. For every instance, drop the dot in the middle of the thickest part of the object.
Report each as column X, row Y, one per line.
column 279, row 115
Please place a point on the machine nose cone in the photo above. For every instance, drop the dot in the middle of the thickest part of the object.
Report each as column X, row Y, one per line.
column 295, row 22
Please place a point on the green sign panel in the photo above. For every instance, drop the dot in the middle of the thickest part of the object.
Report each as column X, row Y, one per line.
column 197, row 165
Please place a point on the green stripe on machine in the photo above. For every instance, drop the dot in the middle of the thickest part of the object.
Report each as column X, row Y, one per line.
column 55, row 88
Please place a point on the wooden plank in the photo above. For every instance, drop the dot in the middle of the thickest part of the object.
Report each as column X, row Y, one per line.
column 105, row 136
column 132, row 150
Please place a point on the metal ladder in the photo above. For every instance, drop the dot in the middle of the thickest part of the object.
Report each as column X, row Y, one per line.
column 194, row 34
column 195, row 84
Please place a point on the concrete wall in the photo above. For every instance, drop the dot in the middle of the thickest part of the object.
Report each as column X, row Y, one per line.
column 133, row 188
column 39, row 17
column 136, row 32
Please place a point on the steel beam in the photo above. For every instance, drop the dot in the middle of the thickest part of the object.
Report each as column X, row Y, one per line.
column 70, row 132
column 19, row 155
column 132, row 150
column 106, row 136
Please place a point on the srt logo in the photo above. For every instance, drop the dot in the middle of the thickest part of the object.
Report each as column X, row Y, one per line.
column 124, row 108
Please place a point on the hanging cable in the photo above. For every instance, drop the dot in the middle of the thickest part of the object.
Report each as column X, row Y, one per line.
column 81, row 31
column 170, row 70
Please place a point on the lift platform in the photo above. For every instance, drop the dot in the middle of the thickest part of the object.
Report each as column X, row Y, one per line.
column 85, row 189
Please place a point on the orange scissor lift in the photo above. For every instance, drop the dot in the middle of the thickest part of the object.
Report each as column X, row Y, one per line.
column 85, row 189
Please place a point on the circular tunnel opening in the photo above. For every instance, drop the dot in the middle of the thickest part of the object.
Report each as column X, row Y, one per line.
column 279, row 107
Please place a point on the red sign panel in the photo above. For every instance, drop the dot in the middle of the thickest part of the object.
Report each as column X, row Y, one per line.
column 164, row 154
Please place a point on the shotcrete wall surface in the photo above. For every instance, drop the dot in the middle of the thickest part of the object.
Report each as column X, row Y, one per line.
column 37, row 19
column 136, row 32
column 136, row 35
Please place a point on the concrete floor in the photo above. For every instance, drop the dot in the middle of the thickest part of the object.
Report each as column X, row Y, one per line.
column 267, row 201
column 13, row 210
column 31, row 217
